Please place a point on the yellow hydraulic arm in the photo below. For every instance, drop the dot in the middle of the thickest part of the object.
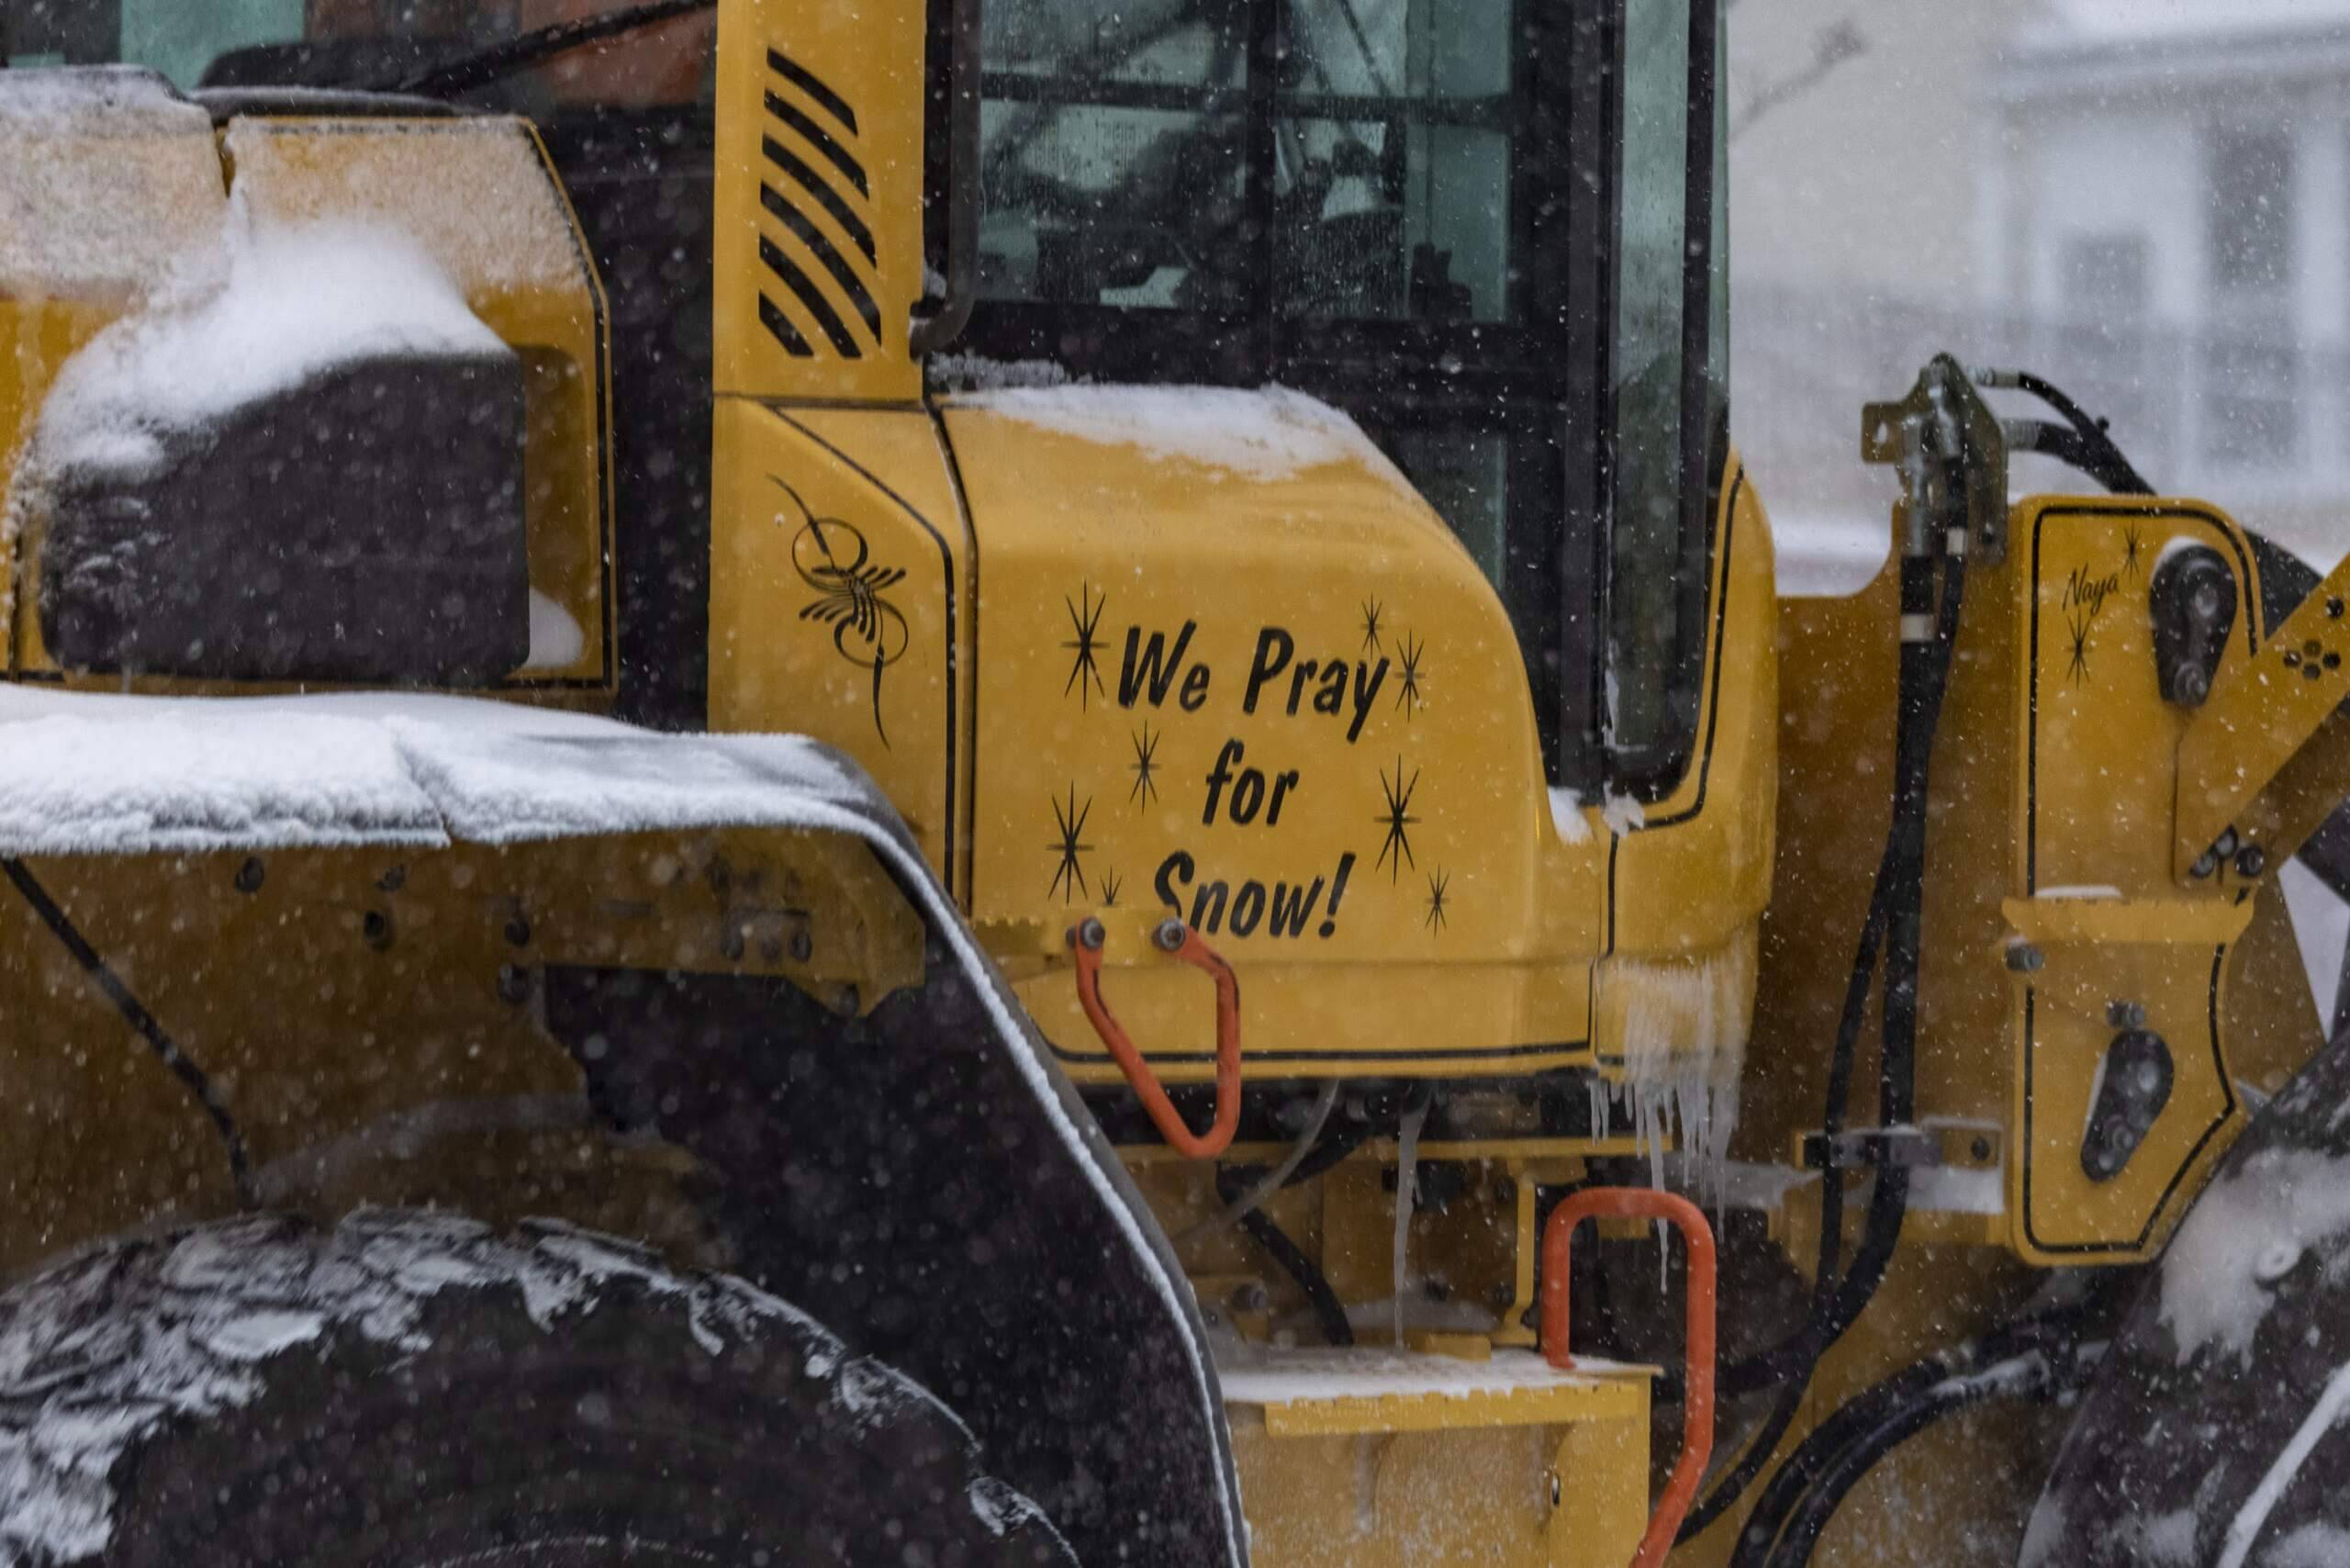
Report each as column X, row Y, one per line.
column 2268, row 758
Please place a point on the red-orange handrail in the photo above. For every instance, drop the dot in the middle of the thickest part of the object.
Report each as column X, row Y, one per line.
column 1180, row 941
column 1697, row 1401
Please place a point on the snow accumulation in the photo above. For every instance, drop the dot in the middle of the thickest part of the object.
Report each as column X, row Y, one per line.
column 1263, row 1374
column 110, row 179
column 278, row 308
column 83, row 773
column 1271, row 434
column 473, row 193
column 1566, row 815
column 101, row 101
column 555, row 637
column 2245, row 1233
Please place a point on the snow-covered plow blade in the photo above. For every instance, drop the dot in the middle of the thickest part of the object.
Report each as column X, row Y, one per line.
column 317, row 953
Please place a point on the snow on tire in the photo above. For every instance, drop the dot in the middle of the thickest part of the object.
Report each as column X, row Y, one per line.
column 411, row 1389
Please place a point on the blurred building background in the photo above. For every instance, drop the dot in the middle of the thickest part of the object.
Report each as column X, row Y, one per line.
column 2147, row 201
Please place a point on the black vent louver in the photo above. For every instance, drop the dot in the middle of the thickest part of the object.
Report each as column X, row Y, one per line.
column 811, row 166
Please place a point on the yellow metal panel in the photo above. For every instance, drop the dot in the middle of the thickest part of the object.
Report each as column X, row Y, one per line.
column 1289, row 708
column 819, row 168
column 1697, row 869
column 2261, row 712
column 326, row 993
column 838, row 596
column 2097, row 761
column 1435, row 1461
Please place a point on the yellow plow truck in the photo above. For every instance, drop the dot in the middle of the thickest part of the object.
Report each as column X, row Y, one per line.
column 788, row 781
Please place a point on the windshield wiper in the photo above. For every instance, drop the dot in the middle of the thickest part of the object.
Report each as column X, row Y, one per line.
column 478, row 68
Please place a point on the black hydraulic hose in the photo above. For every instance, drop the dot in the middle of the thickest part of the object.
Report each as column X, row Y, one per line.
column 482, row 66
column 1328, row 1311
column 1850, row 1427
column 1893, row 919
column 2098, row 454
column 1789, row 1483
column 2028, row 1373
column 134, row 1013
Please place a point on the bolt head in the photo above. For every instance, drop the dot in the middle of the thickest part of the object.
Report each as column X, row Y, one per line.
column 2251, row 860
column 2024, row 959
column 1169, row 935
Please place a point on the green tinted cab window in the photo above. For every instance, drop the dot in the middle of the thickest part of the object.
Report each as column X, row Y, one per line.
column 1117, row 144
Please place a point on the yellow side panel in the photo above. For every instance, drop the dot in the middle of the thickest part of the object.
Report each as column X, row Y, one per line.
column 2096, row 768
column 1288, row 708
column 1529, row 1477
column 838, row 596
column 819, row 258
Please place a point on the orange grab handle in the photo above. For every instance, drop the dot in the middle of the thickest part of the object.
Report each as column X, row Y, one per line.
column 1180, row 941
column 1698, row 1403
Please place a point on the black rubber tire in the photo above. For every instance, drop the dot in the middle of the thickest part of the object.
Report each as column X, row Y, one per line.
column 417, row 1390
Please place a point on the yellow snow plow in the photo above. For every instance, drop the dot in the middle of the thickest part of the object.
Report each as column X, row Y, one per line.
column 1243, row 775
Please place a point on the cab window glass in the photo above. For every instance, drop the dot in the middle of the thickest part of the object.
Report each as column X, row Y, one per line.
column 1112, row 152
column 1132, row 157
column 1395, row 133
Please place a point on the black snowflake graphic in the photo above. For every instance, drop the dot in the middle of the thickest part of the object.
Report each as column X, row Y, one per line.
column 2077, row 623
column 1439, row 881
column 1068, row 872
column 1398, row 821
column 2133, row 549
column 1407, row 696
column 1370, row 626
column 1085, row 647
column 1145, row 766
column 1110, row 887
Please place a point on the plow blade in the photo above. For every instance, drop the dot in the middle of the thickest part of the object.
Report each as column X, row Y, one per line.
column 703, row 989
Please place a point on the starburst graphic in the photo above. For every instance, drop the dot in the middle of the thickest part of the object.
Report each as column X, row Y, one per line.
column 1370, row 626
column 1398, row 821
column 1410, row 649
column 2077, row 623
column 1438, row 881
column 1110, row 887
column 1068, row 872
column 1085, row 647
column 2133, row 549
column 1144, row 767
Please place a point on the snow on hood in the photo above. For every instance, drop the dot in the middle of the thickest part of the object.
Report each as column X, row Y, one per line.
column 83, row 773
column 2247, row 1230
column 1269, row 434
column 279, row 306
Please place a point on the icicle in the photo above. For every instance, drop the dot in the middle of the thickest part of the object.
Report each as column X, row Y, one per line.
column 1407, row 1183
column 1685, row 1029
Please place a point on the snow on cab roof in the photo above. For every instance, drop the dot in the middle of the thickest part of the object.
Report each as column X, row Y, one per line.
column 1274, row 433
